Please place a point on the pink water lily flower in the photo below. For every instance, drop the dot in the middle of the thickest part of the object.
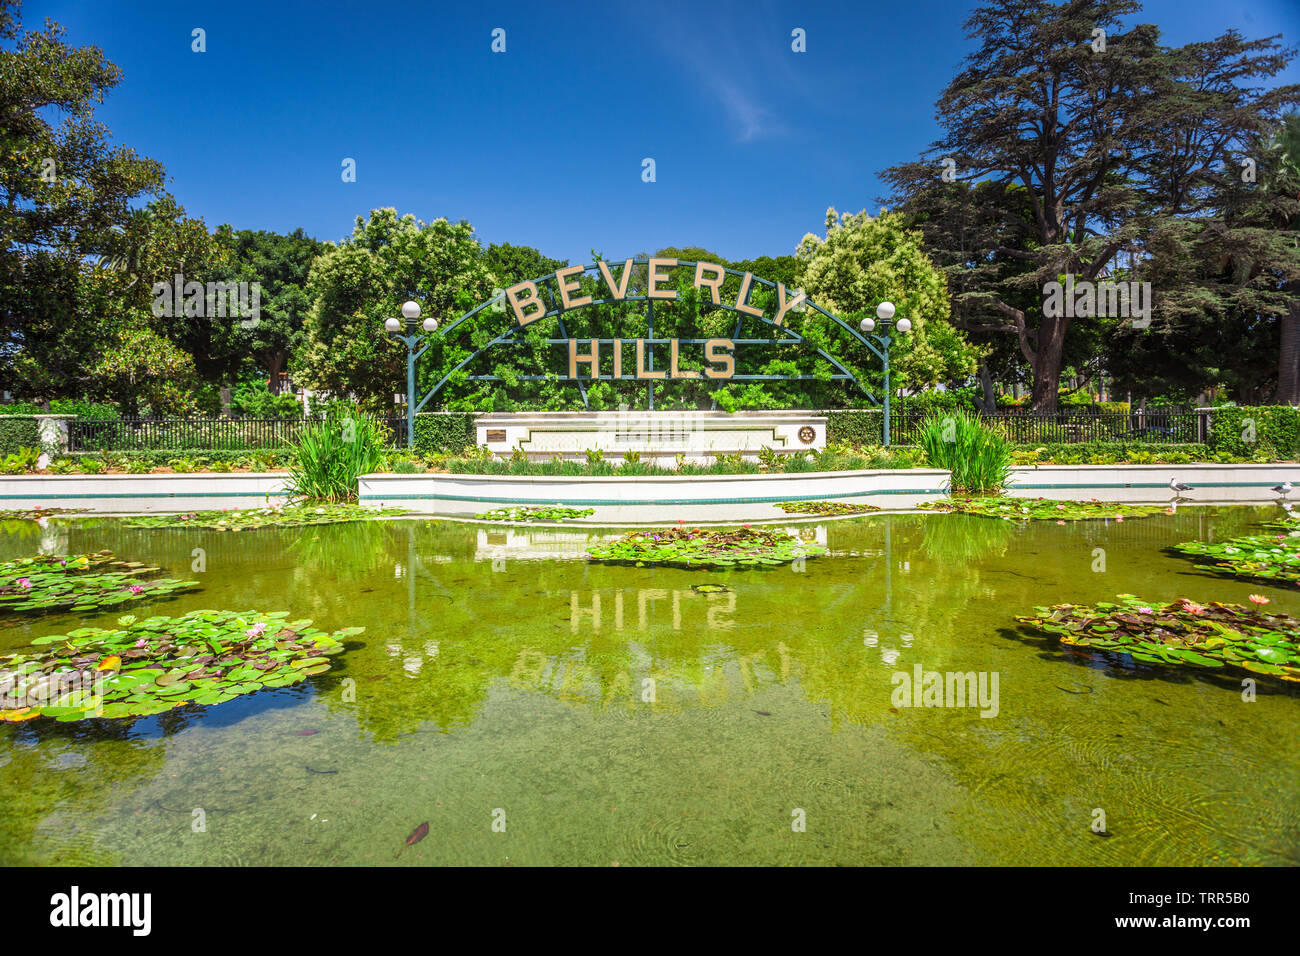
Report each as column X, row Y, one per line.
column 1145, row 610
column 257, row 630
column 1192, row 608
column 24, row 583
column 135, row 589
column 1258, row 599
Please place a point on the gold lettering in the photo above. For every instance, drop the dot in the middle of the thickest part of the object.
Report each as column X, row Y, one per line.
column 657, row 275
column 641, row 370
column 567, row 285
column 592, row 359
column 616, row 291
column 725, row 359
column 742, row 298
column 618, row 358
column 784, row 306
column 714, row 285
column 674, row 371
column 522, row 303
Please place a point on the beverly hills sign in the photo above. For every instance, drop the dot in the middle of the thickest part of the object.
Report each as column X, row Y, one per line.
column 525, row 301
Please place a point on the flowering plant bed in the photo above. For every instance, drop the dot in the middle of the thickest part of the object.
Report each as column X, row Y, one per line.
column 824, row 508
column 1180, row 632
column 287, row 516
column 151, row 666
column 35, row 514
column 1274, row 556
column 1043, row 509
column 552, row 513
column 80, row 582
column 696, row 547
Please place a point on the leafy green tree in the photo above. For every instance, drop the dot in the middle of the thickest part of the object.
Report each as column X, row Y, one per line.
column 281, row 265
column 1114, row 147
column 63, row 190
column 863, row 261
column 358, row 284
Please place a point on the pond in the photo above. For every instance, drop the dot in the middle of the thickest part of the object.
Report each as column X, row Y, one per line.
column 535, row 708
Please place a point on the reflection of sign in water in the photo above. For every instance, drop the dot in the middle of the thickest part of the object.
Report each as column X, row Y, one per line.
column 718, row 608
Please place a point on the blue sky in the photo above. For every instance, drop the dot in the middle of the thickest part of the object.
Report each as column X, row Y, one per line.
column 543, row 145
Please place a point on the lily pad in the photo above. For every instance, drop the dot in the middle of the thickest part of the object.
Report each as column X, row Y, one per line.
column 1181, row 632
column 273, row 516
column 1042, row 509
column 80, row 582
column 698, row 547
column 57, row 676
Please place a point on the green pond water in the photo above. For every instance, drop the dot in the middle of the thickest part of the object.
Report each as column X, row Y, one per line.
column 614, row 715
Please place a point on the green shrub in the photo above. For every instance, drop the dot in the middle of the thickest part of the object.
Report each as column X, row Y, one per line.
column 446, row 432
column 1273, row 430
column 253, row 399
column 19, row 433
column 978, row 458
column 21, row 462
column 331, row 455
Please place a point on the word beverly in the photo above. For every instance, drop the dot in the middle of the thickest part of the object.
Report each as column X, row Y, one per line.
column 209, row 300
column 950, row 689
column 103, row 909
column 528, row 306
column 1086, row 300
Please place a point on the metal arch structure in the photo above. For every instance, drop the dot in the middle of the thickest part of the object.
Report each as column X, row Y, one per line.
column 877, row 344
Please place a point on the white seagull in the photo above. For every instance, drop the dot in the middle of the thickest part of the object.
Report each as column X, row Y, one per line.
column 1178, row 487
column 1283, row 489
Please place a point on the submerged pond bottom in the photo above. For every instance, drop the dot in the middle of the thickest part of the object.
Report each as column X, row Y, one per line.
column 536, row 708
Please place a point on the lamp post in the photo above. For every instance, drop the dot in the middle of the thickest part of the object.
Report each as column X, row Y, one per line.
column 885, row 313
column 414, row 349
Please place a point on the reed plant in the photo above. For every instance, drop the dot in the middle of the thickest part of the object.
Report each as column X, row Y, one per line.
column 330, row 455
column 978, row 457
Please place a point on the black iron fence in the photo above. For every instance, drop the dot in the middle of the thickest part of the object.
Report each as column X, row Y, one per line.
column 1160, row 426
column 196, row 434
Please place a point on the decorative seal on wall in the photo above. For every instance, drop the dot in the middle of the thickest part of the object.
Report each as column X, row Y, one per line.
column 806, row 434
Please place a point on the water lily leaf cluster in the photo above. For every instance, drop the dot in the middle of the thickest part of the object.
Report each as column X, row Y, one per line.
column 1179, row 633
column 275, row 516
column 153, row 665
column 1043, row 509
column 79, row 582
column 1273, row 556
column 552, row 513
column 824, row 508
column 35, row 514
column 696, row 547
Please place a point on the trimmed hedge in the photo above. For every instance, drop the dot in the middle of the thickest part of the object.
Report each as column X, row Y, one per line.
column 449, row 433
column 19, row 432
column 1113, row 452
column 1273, row 430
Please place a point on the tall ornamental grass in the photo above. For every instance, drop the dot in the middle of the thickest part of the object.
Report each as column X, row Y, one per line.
column 331, row 455
column 978, row 456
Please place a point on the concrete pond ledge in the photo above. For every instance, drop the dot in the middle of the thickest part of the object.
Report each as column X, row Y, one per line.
column 647, row 499
column 1211, row 483
column 133, row 494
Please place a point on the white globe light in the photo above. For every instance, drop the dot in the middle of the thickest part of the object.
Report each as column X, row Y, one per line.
column 393, row 325
column 867, row 324
column 430, row 324
column 410, row 309
column 904, row 325
column 885, row 311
